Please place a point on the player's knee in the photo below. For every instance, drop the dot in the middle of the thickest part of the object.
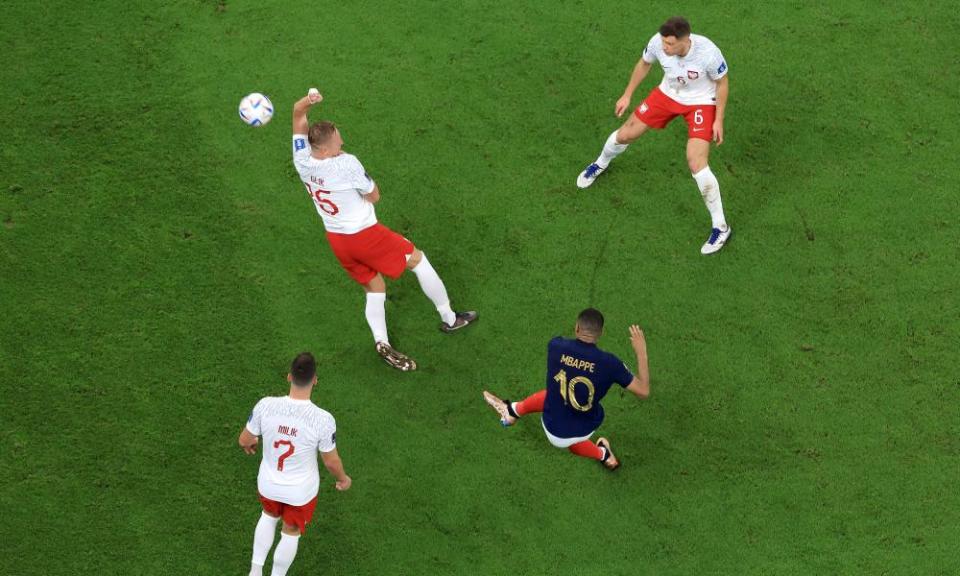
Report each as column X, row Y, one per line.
column 696, row 163
column 291, row 529
column 415, row 257
column 376, row 284
column 627, row 134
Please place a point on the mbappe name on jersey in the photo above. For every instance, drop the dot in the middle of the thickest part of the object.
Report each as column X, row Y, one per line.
column 576, row 363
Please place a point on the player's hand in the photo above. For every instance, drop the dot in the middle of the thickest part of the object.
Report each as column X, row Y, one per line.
column 251, row 448
column 344, row 485
column 314, row 96
column 718, row 131
column 637, row 339
column 622, row 104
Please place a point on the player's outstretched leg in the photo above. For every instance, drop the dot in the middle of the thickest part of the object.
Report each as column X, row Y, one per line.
column 377, row 320
column 507, row 415
column 609, row 460
column 263, row 538
column 616, row 143
column 611, row 149
column 433, row 288
column 510, row 411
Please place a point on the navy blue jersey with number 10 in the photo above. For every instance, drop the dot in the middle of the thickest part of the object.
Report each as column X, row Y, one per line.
column 578, row 376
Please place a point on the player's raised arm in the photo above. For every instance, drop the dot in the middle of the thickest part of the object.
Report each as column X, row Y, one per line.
column 723, row 89
column 300, row 108
column 333, row 464
column 639, row 73
column 641, row 381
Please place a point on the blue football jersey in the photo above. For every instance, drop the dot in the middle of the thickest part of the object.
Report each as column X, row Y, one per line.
column 579, row 375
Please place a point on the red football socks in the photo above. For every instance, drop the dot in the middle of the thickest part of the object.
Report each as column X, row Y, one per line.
column 532, row 403
column 587, row 449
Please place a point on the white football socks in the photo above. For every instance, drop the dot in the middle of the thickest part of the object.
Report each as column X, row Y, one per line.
column 262, row 542
column 377, row 316
column 710, row 190
column 611, row 149
column 284, row 554
column 433, row 287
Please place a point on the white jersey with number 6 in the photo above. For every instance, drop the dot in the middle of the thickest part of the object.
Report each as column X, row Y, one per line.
column 292, row 432
column 690, row 80
column 336, row 186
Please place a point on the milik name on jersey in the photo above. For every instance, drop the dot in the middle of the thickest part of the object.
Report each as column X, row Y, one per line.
column 286, row 430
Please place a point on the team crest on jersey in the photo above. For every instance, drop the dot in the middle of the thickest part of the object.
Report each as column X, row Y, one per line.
column 299, row 144
column 723, row 66
column 643, row 108
column 333, row 438
column 693, row 74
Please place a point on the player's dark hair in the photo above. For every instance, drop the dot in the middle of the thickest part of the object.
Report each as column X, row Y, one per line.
column 321, row 132
column 677, row 27
column 303, row 369
column 591, row 320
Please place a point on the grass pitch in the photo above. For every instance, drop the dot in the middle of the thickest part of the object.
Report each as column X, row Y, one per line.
column 161, row 265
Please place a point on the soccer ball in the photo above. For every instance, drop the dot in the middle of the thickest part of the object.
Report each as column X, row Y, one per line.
column 256, row 109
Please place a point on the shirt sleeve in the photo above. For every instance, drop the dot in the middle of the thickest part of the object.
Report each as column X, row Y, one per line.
column 253, row 421
column 621, row 374
column 360, row 179
column 301, row 149
column 328, row 436
column 717, row 67
column 653, row 47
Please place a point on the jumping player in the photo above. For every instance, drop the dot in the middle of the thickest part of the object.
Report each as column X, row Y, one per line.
column 695, row 86
column 578, row 377
column 294, row 429
column 344, row 196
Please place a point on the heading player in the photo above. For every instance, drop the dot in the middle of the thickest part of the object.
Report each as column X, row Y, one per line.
column 695, row 86
column 579, row 375
column 344, row 195
column 294, row 429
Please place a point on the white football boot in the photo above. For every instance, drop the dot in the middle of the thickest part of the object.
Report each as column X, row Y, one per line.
column 589, row 174
column 716, row 240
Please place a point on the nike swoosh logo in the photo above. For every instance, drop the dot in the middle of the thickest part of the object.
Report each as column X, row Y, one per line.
column 699, row 129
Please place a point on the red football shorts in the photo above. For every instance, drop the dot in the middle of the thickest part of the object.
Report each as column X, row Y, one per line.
column 658, row 110
column 298, row 515
column 371, row 250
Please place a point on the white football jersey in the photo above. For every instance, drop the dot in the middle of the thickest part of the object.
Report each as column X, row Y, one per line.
column 336, row 186
column 292, row 432
column 690, row 79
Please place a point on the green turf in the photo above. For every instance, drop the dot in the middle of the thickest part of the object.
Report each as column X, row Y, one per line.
column 160, row 264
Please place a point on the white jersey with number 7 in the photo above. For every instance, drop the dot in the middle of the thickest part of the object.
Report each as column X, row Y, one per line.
column 292, row 432
column 336, row 186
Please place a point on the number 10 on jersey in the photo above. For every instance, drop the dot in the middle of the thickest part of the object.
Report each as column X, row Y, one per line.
column 568, row 391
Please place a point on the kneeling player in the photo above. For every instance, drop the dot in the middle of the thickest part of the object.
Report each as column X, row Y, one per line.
column 578, row 376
